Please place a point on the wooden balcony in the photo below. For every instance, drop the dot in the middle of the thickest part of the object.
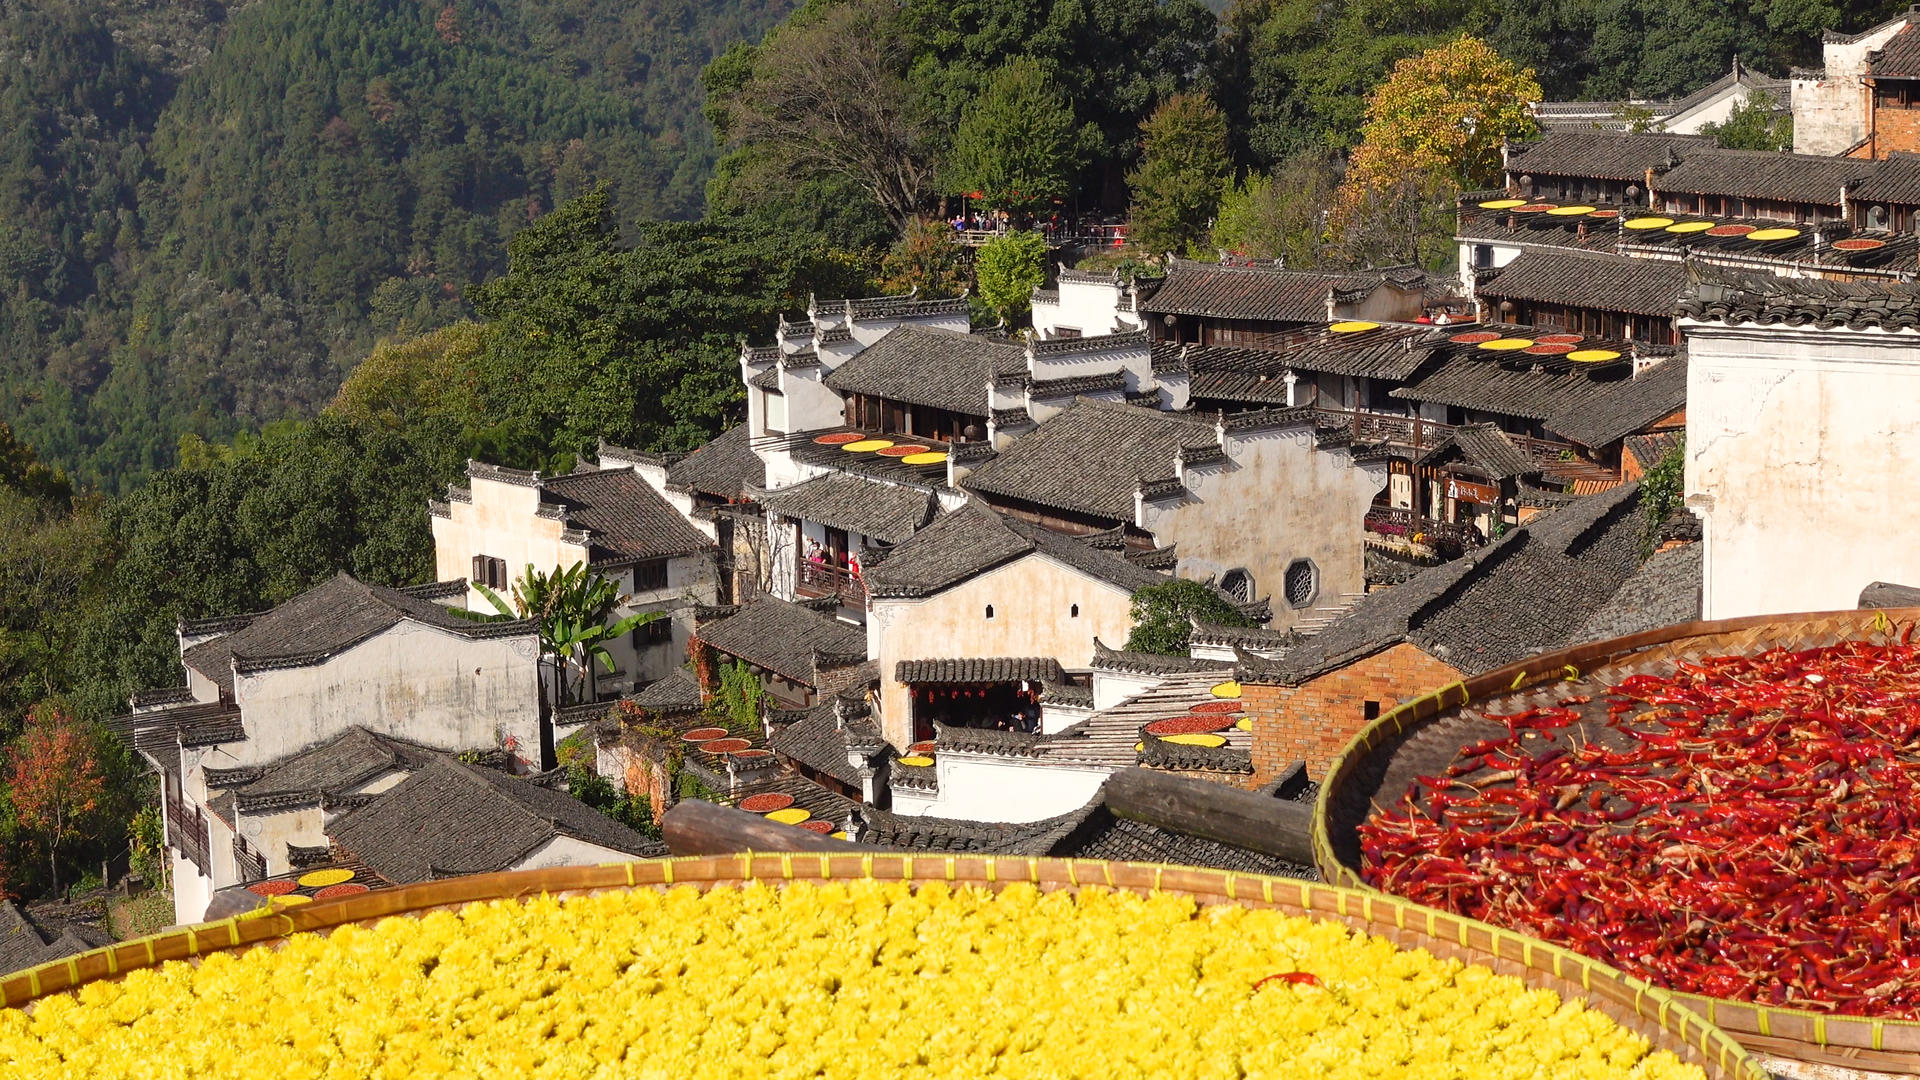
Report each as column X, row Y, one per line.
column 1390, row 521
column 816, row 580
column 187, row 834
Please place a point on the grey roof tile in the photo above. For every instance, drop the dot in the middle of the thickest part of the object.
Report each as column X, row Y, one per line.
column 1527, row 592
column 624, row 517
column 725, row 467
column 818, row 741
column 451, row 818
column 25, row 944
column 1091, row 457
column 966, row 542
column 1826, row 304
column 1145, row 663
column 327, row 619
column 1590, row 280
column 1763, row 174
column 678, row 691
column 1592, row 404
column 941, row 368
column 782, row 637
column 1602, row 155
column 1246, row 292
column 1664, row 591
column 980, row 669
column 1884, row 594
column 353, row 757
column 887, row 512
column 1485, row 449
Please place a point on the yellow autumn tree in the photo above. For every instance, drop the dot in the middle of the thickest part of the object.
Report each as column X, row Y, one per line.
column 1440, row 116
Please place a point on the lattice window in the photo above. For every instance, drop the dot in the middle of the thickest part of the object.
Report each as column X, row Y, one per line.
column 1237, row 584
column 1302, row 583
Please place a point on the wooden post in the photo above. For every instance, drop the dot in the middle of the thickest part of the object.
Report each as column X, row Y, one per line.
column 694, row 827
column 1214, row 811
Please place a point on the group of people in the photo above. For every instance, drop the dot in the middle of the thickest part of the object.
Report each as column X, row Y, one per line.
column 819, row 556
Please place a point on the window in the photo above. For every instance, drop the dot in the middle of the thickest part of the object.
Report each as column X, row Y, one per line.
column 489, row 571
column 650, row 575
column 1302, row 583
column 989, row 611
column 1238, row 584
column 1373, row 710
column 1483, row 256
column 657, row 632
column 1066, row 332
column 1073, row 612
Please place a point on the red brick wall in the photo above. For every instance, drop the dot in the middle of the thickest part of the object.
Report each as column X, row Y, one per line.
column 1313, row 721
column 1895, row 129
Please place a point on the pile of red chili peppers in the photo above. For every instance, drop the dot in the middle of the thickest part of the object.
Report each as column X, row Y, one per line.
column 1743, row 828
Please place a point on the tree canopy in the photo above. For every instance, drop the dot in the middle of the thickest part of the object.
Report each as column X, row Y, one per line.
column 1163, row 615
column 1015, row 149
column 1184, row 169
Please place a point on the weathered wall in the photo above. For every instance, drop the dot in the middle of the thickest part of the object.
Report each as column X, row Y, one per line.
column 1032, row 599
column 414, row 681
column 1091, row 307
column 1278, row 499
column 1801, row 445
column 1895, row 131
column 1313, row 721
column 567, row 851
column 1830, row 112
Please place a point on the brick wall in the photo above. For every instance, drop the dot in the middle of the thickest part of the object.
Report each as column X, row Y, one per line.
column 1313, row 721
column 1895, row 130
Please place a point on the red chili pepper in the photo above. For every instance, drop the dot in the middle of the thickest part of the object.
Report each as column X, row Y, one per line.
column 1297, row 978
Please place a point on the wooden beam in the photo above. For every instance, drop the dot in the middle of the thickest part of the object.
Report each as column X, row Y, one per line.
column 693, row 827
column 1202, row 808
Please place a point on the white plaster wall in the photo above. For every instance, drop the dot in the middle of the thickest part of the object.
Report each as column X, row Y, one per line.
column 1032, row 600
column 978, row 788
column 500, row 522
column 1045, row 409
column 1135, row 360
column 269, row 832
column 567, row 851
column 192, row 891
column 1278, row 498
column 1714, row 110
column 1800, row 451
column 1502, row 255
column 1093, row 308
column 775, row 410
column 1830, row 113
column 415, row 681
column 1057, row 718
column 809, row 403
column 1110, row 688
column 655, row 477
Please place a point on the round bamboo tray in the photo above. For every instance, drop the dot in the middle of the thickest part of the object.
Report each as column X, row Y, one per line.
column 1646, row 1010
column 1422, row 737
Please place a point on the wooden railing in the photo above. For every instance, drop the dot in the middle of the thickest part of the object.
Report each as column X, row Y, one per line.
column 1392, row 521
column 1419, row 435
column 825, row 579
column 187, row 834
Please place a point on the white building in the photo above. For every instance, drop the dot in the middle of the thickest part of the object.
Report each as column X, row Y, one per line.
column 1711, row 104
column 1802, row 428
column 1086, row 305
column 505, row 520
column 1830, row 104
column 335, row 693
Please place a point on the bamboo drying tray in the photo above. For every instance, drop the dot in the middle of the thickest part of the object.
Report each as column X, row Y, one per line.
column 1650, row 1012
column 1423, row 736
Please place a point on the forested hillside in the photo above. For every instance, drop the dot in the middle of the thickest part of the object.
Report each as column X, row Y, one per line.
column 208, row 212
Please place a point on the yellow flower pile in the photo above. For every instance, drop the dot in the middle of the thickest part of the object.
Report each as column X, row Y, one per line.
column 857, row 980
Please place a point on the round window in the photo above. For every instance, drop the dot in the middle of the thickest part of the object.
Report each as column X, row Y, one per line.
column 1237, row 584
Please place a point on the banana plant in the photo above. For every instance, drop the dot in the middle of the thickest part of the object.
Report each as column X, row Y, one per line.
column 571, row 606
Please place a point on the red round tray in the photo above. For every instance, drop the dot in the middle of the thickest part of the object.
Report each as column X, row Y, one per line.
column 345, row 888
column 839, row 437
column 821, row 827
column 1731, row 230
column 1216, row 707
column 1560, row 339
column 702, row 734
column 924, row 747
column 1472, row 337
column 766, row 802
column 1190, row 725
column 902, row 451
column 725, row 746
column 273, row 888
column 1548, row 349
column 1858, row 243
column 754, row 755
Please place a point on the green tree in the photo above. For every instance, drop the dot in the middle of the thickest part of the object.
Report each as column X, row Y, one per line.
column 739, row 698
column 1756, row 123
column 1008, row 269
column 1661, row 491
column 1184, row 169
column 574, row 608
column 1281, row 216
column 1163, row 615
column 925, row 259
column 1016, row 143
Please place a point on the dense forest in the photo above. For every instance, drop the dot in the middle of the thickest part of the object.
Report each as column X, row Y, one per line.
column 271, row 271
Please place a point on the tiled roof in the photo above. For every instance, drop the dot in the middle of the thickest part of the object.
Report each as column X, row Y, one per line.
column 678, row 691
column 1245, row 292
column 818, row 742
column 941, row 368
column 766, row 380
column 804, row 448
column 1587, row 280
column 1665, row 591
column 624, row 517
column 1105, row 836
column 160, row 733
column 782, row 637
column 1894, row 179
column 1530, row 591
column 1386, row 569
column 910, row 306
column 1811, row 246
column 450, row 818
column 1650, row 448
column 990, row 669
column 353, row 757
column 1091, row 457
column 823, row 803
column 327, row 619
column 23, row 944
column 974, row 539
column 1161, row 754
column 878, row 827
column 1899, row 57
column 888, row 512
column 1763, row 174
column 1125, row 339
column 1827, row 304
column 1485, row 448
column 1627, row 406
column 1580, row 401
column 1506, row 227
column 1079, row 384
column 1884, row 594
column 1602, row 155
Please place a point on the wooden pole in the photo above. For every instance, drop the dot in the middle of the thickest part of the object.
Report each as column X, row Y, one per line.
column 694, row 827
column 1202, row 808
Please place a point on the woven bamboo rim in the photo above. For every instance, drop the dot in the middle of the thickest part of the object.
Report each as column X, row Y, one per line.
column 1880, row 1044
column 1651, row 1012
